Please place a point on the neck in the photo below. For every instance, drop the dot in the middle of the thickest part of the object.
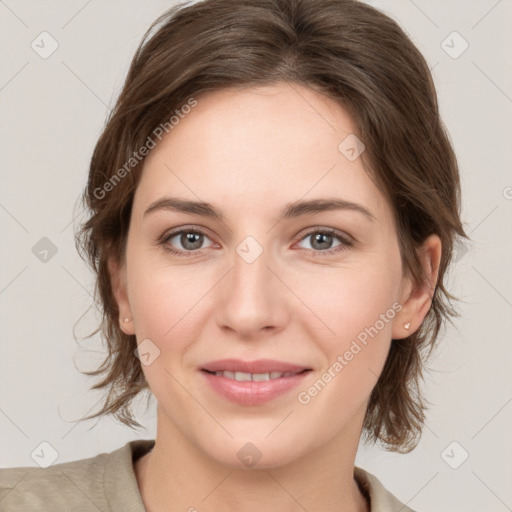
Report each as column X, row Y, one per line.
column 176, row 476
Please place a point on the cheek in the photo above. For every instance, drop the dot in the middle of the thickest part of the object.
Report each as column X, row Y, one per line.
column 164, row 297
column 350, row 319
column 353, row 357
column 343, row 302
column 166, row 303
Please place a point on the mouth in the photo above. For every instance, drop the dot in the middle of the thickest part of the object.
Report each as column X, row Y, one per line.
column 254, row 377
column 253, row 382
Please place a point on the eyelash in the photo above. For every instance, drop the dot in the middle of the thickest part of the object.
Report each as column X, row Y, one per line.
column 345, row 242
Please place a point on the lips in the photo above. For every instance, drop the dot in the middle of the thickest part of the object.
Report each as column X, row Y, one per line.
column 253, row 382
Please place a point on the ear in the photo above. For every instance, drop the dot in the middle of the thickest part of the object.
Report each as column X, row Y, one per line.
column 416, row 299
column 117, row 273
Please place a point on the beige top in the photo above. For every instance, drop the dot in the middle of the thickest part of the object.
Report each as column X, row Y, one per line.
column 107, row 483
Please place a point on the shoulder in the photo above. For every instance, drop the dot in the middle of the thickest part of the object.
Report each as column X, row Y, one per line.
column 92, row 484
column 55, row 487
column 80, row 483
column 381, row 499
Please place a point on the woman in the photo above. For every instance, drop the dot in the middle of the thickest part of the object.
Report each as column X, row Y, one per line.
column 273, row 207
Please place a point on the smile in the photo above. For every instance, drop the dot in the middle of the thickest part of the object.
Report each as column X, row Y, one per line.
column 244, row 376
column 252, row 383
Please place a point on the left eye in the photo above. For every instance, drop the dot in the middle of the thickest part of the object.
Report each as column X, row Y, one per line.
column 321, row 241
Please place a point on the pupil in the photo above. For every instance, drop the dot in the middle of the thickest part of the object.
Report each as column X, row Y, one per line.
column 190, row 238
column 323, row 236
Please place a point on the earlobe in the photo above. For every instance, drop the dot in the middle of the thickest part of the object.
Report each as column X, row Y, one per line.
column 417, row 300
column 118, row 282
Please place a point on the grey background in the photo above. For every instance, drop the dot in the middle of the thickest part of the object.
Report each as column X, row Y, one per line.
column 52, row 111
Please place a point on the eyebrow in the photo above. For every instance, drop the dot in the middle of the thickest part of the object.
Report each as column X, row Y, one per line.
column 291, row 210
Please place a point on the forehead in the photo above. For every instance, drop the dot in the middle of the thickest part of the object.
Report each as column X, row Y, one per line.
column 258, row 147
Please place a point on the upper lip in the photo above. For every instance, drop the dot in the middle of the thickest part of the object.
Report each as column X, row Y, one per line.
column 256, row 366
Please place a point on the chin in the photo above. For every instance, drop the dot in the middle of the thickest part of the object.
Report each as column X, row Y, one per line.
column 254, row 454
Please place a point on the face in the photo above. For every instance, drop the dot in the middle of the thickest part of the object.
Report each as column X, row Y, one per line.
column 320, row 289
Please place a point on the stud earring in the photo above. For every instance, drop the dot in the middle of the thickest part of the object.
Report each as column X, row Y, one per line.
column 407, row 325
column 126, row 320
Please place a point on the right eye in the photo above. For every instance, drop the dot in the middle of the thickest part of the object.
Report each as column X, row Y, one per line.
column 190, row 239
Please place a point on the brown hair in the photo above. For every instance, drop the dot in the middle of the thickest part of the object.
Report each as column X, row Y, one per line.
column 344, row 49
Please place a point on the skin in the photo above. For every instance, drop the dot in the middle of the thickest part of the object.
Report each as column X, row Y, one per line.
column 249, row 152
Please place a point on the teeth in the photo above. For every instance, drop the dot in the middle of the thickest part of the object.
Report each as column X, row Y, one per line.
column 261, row 376
column 244, row 376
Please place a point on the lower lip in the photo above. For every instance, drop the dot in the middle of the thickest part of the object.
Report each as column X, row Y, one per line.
column 253, row 392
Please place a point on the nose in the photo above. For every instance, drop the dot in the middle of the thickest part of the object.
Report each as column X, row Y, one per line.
column 253, row 301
